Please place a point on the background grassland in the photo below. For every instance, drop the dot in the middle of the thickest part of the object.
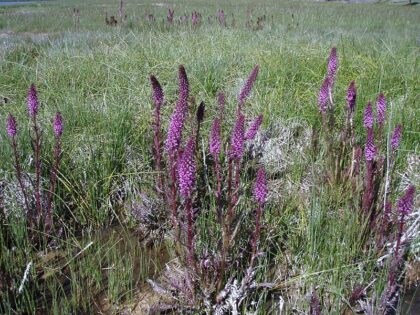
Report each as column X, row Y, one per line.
column 97, row 76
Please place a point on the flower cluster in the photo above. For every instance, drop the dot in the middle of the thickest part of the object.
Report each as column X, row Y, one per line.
column 58, row 125
column 11, row 126
column 368, row 116
column 381, row 109
column 253, row 129
column 323, row 96
column 332, row 65
column 32, row 101
column 406, row 202
column 260, row 187
column 215, row 140
column 351, row 96
column 238, row 138
column 187, row 169
column 246, row 89
column 396, row 136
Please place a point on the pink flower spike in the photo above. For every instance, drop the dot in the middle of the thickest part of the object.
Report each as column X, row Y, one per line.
column 406, row 202
column 260, row 187
column 187, row 169
column 215, row 139
column 370, row 148
column 332, row 64
column 238, row 138
column 176, row 125
column 381, row 109
column 351, row 96
column 58, row 125
column 396, row 137
column 368, row 116
column 246, row 89
column 11, row 126
column 253, row 129
column 323, row 96
column 32, row 100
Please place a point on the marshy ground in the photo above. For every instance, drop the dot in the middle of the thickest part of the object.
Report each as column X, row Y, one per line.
column 101, row 253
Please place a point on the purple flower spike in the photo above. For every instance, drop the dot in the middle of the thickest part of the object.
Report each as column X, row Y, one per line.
column 253, row 129
column 215, row 140
column 323, row 96
column 246, row 89
column 176, row 124
column 396, row 137
column 406, row 202
column 157, row 92
column 332, row 64
column 370, row 148
column 368, row 117
column 351, row 96
column 238, row 138
column 260, row 187
column 58, row 125
column 184, row 86
column 32, row 101
column 187, row 169
column 381, row 109
column 11, row 126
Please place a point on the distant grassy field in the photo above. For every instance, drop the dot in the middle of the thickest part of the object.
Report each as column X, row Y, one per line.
column 97, row 76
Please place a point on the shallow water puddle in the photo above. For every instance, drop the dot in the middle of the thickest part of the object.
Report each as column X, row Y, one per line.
column 104, row 273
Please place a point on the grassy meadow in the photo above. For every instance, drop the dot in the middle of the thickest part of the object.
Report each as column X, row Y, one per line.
column 99, row 255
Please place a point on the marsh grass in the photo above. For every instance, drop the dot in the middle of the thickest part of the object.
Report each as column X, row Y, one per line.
column 97, row 77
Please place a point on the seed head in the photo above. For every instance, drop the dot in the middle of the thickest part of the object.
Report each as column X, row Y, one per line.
column 32, row 101
column 58, row 125
column 215, row 139
column 157, row 92
column 260, row 187
column 406, row 202
column 187, row 169
column 368, row 117
column 370, row 148
column 200, row 112
column 11, row 126
column 253, row 129
column 381, row 109
column 351, row 96
column 184, row 86
column 246, row 89
column 396, row 136
column 238, row 138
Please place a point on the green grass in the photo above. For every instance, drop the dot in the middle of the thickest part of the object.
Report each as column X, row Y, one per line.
column 97, row 76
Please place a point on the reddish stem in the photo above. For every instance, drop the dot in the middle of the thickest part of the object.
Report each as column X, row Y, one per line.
column 393, row 271
column 53, row 182
column 158, row 156
column 174, row 193
column 257, row 231
column 37, row 153
column 19, row 178
column 190, row 232
column 217, row 169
